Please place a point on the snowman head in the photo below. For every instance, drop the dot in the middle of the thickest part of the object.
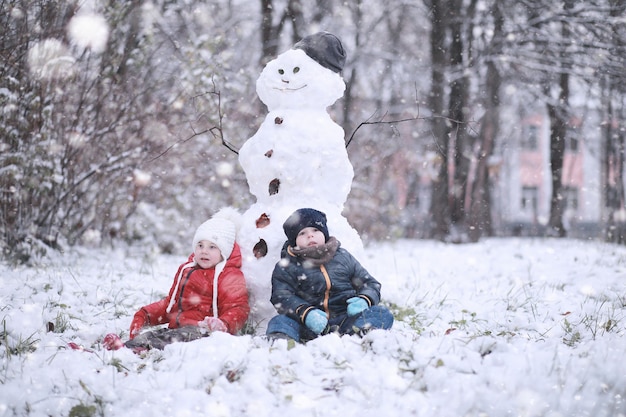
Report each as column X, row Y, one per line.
column 305, row 77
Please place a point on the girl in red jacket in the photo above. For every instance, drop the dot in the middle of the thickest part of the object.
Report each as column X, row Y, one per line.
column 208, row 294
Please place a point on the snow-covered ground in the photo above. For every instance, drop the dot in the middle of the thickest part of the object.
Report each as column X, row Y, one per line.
column 505, row 327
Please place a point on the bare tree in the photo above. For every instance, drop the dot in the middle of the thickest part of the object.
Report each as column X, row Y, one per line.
column 272, row 27
column 480, row 221
column 77, row 136
column 457, row 112
column 440, row 207
column 613, row 152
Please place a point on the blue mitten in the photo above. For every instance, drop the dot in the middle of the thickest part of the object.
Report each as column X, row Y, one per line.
column 316, row 320
column 356, row 305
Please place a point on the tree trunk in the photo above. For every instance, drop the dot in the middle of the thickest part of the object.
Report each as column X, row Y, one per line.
column 439, row 208
column 558, row 131
column 269, row 43
column 480, row 210
column 456, row 110
column 270, row 32
column 612, row 159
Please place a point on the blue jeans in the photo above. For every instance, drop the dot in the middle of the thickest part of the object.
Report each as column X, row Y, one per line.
column 375, row 317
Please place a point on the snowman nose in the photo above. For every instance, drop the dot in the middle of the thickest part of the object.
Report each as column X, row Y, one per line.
column 285, row 81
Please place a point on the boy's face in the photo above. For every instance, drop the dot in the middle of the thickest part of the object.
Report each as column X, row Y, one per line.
column 207, row 254
column 310, row 236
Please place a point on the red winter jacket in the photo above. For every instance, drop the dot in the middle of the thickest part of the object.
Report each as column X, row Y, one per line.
column 194, row 297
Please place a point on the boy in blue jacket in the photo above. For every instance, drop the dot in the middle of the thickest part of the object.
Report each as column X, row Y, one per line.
column 318, row 287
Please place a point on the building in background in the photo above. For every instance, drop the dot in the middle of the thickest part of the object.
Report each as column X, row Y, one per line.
column 524, row 188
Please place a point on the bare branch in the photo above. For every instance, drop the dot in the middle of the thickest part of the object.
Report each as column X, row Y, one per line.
column 218, row 128
column 216, row 131
column 393, row 122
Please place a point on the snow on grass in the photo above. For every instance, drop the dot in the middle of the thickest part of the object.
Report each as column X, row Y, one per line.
column 505, row 327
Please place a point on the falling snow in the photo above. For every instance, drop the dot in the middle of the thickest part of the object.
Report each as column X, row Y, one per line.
column 502, row 327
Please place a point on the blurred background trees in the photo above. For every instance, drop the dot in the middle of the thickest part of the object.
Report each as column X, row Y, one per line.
column 114, row 114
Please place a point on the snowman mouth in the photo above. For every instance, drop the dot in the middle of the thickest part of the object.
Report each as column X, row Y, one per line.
column 290, row 89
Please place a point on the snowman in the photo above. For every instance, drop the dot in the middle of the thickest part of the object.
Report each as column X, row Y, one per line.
column 296, row 159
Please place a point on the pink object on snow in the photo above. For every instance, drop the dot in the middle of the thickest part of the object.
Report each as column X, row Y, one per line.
column 112, row 342
column 81, row 348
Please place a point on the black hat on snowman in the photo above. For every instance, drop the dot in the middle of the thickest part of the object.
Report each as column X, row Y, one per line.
column 324, row 48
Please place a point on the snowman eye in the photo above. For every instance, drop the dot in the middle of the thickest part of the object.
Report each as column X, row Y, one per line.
column 281, row 71
column 296, row 70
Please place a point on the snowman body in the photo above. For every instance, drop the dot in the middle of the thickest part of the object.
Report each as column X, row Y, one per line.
column 293, row 153
column 296, row 159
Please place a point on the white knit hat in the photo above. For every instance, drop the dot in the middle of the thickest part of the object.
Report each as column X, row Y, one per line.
column 220, row 231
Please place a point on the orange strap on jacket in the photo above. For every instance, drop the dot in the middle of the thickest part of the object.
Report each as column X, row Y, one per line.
column 327, row 292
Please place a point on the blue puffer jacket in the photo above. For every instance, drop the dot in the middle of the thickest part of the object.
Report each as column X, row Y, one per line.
column 297, row 290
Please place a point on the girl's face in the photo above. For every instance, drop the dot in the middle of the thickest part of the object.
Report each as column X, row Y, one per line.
column 310, row 236
column 207, row 254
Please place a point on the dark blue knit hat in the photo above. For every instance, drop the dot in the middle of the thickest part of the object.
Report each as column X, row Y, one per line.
column 325, row 48
column 301, row 218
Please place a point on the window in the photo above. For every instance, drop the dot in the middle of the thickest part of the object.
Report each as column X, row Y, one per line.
column 530, row 138
column 529, row 201
column 570, row 198
column 571, row 143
